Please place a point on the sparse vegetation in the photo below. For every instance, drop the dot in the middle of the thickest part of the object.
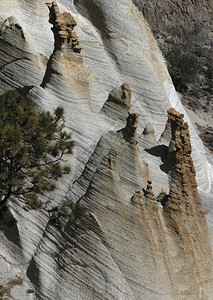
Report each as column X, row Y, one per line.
column 30, row 291
column 206, row 134
column 183, row 63
column 194, row 80
column 194, row 92
column 162, row 193
column 32, row 147
column 161, row 196
column 63, row 211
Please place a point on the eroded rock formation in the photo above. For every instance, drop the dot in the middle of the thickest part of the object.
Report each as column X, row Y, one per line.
column 138, row 230
column 65, row 66
column 148, row 138
column 179, row 151
column 117, row 204
column 156, row 251
column 184, row 214
column 17, row 55
column 63, row 25
column 129, row 132
column 118, row 103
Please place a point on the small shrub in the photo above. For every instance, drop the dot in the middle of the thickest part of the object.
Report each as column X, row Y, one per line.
column 65, row 211
column 162, row 193
column 197, row 50
column 183, row 64
column 194, row 92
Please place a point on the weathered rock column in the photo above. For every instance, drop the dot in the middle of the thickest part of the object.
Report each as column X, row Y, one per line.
column 186, row 229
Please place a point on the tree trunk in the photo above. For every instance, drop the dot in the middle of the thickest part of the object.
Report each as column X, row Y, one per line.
column 4, row 200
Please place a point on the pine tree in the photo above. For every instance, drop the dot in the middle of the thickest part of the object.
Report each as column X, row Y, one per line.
column 32, row 148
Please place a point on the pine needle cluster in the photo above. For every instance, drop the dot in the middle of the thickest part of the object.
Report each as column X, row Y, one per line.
column 32, row 148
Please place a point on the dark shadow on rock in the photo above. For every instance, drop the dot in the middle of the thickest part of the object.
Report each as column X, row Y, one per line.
column 49, row 72
column 9, row 226
column 12, row 234
column 128, row 135
column 94, row 13
column 33, row 273
column 159, row 151
column 165, row 168
column 162, row 152
column 24, row 90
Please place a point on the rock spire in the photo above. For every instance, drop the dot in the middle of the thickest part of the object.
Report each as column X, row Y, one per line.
column 179, row 151
column 129, row 132
column 118, row 103
column 183, row 211
column 63, row 25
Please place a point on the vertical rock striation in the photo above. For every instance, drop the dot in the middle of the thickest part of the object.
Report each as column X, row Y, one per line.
column 185, row 220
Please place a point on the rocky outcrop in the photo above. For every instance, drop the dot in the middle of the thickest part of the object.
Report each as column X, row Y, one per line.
column 65, row 66
column 129, row 132
column 122, row 243
column 183, row 212
column 63, row 25
column 134, row 233
column 189, row 20
column 179, row 150
column 148, row 138
column 118, row 103
column 121, row 57
column 17, row 56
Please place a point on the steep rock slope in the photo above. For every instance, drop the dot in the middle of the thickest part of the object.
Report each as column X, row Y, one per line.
column 123, row 244
column 110, row 51
column 190, row 20
column 18, row 57
column 120, row 243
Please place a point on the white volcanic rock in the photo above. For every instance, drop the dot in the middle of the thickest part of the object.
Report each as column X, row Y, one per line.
column 121, row 243
column 115, row 54
column 33, row 17
column 16, row 284
column 18, row 57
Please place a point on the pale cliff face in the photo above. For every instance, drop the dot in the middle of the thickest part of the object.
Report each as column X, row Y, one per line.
column 138, row 228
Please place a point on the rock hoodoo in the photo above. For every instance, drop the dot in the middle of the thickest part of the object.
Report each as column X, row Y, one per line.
column 179, row 150
column 148, row 138
column 129, row 132
column 183, row 211
column 63, row 25
column 65, row 67
column 174, row 231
